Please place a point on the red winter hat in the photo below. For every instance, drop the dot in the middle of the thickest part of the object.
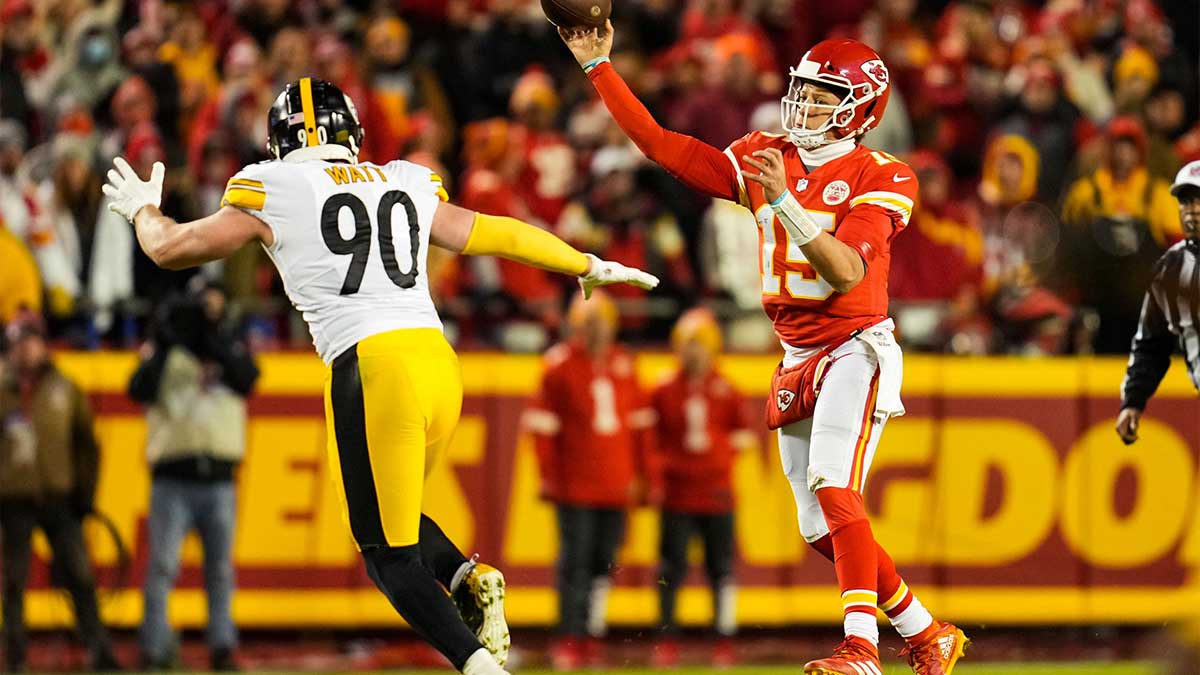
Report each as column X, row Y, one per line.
column 1128, row 127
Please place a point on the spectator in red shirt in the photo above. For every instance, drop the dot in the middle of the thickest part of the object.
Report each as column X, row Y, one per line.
column 700, row 421
column 932, row 303
column 491, row 184
column 547, row 178
column 592, row 428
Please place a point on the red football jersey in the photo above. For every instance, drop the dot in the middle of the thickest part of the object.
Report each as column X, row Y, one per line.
column 548, row 175
column 487, row 191
column 696, row 423
column 863, row 198
column 592, row 424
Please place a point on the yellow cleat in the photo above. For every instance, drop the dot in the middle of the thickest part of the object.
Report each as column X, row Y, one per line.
column 480, row 600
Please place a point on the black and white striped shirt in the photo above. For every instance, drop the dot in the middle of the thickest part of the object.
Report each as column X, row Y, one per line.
column 1170, row 316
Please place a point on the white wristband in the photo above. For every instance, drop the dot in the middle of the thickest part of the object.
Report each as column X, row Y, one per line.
column 800, row 226
column 591, row 65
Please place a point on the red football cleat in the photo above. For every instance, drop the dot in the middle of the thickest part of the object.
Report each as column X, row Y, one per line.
column 724, row 654
column 854, row 656
column 665, row 655
column 937, row 653
column 593, row 652
column 566, row 654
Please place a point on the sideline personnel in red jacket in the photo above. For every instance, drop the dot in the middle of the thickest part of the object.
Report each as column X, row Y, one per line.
column 701, row 422
column 592, row 427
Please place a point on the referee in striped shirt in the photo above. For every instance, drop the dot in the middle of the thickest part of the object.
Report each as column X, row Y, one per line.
column 1170, row 311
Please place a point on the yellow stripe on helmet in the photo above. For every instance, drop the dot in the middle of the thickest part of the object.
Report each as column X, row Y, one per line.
column 306, row 106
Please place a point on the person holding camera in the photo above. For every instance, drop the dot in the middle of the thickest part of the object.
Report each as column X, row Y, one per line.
column 49, row 463
column 195, row 376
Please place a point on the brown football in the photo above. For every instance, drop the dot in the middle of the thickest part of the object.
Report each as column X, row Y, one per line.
column 575, row 13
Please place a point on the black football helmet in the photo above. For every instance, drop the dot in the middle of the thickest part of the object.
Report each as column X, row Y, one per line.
column 312, row 112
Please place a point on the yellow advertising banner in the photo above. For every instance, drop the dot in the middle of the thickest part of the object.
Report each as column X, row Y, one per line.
column 1003, row 495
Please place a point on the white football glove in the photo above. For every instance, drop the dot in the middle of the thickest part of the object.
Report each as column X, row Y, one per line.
column 604, row 272
column 127, row 193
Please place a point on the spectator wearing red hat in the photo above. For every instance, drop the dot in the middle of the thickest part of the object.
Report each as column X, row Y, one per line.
column 1117, row 221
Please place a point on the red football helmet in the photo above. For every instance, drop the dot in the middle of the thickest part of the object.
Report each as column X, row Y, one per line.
column 850, row 69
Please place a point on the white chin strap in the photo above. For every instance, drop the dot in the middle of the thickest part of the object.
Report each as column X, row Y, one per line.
column 328, row 152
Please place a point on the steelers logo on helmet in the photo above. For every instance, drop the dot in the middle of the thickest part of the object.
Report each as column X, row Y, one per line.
column 313, row 119
column 849, row 70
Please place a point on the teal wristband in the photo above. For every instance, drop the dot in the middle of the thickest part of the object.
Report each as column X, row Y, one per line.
column 591, row 65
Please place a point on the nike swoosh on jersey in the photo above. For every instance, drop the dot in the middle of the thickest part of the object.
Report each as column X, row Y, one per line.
column 897, row 178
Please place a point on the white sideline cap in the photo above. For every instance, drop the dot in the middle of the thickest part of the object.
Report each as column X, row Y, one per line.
column 1188, row 175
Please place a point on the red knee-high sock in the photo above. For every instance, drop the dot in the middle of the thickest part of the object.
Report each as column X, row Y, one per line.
column 887, row 578
column 895, row 597
column 854, row 558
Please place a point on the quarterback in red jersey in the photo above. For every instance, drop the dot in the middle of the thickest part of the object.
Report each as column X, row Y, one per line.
column 827, row 209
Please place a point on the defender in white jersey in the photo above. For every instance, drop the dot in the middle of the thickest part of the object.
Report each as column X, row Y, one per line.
column 350, row 240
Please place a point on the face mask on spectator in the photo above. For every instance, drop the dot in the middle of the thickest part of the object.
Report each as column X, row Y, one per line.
column 96, row 51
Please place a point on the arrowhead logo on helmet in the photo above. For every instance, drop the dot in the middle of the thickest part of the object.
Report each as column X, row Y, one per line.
column 877, row 72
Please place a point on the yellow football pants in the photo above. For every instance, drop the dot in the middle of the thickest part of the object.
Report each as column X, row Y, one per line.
column 391, row 404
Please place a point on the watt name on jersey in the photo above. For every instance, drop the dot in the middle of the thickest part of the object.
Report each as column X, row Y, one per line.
column 351, row 242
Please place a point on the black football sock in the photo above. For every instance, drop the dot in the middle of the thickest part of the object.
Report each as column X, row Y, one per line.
column 439, row 555
column 412, row 590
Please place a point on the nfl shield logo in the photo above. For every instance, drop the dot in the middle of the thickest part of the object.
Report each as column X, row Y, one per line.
column 802, row 185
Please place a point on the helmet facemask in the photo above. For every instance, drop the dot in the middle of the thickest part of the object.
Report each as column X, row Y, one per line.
column 796, row 107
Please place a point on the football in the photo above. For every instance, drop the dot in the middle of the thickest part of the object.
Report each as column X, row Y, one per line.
column 576, row 13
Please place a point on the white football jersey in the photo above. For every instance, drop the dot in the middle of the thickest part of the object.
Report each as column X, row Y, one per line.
column 350, row 242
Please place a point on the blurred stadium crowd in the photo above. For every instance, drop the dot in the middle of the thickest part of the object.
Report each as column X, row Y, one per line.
column 1044, row 135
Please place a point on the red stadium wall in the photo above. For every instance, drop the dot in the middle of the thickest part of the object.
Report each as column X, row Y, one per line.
column 1004, row 480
